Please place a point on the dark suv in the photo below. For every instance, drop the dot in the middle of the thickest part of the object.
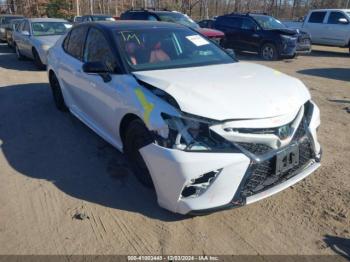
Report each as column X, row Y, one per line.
column 262, row 34
column 173, row 17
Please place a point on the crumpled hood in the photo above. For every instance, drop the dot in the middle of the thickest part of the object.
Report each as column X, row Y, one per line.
column 287, row 31
column 230, row 91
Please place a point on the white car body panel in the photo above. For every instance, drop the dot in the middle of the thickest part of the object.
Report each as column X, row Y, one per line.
column 241, row 95
column 230, row 91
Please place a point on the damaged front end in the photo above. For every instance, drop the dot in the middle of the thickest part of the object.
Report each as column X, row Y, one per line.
column 201, row 165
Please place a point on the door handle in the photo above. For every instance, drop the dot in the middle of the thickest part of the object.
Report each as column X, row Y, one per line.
column 92, row 84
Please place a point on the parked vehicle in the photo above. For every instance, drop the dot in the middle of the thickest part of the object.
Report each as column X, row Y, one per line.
column 91, row 18
column 328, row 27
column 35, row 36
column 9, row 31
column 173, row 17
column 207, row 132
column 207, row 23
column 262, row 34
column 5, row 24
column 77, row 19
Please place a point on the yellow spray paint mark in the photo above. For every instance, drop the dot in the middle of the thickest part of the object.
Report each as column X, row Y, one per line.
column 277, row 73
column 147, row 106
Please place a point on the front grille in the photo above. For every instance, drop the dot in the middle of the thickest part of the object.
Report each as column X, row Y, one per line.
column 257, row 149
column 262, row 175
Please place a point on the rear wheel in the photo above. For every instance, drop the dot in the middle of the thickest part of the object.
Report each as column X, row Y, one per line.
column 137, row 136
column 37, row 60
column 269, row 52
column 57, row 93
column 18, row 53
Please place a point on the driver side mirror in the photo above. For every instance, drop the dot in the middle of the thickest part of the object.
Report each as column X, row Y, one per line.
column 97, row 68
column 343, row 21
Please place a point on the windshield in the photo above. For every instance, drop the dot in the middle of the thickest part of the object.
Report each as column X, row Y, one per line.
column 178, row 18
column 50, row 28
column 102, row 18
column 154, row 49
column 268, row 22
column 348, row 13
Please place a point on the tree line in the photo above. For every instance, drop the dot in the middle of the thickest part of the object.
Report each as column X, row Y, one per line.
column 197, row 9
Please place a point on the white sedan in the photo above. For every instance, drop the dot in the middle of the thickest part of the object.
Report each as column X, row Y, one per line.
column 205, row 131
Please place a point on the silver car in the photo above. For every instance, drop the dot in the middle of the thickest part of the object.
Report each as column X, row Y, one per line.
column 35, row 36
column 5, row 23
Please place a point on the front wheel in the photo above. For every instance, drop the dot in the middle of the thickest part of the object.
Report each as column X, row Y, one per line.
column 138, row 136
column 269, row 52
column 37, row 60
column 57, row 93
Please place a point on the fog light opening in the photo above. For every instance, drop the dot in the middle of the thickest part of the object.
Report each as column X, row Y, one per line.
column 199, row 185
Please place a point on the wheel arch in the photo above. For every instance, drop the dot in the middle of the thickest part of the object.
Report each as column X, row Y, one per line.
column 124, row 123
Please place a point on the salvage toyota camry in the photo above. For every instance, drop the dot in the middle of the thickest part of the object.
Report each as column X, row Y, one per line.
column 205, row 131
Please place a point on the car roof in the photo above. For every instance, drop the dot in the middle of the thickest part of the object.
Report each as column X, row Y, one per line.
column 132, row 24
column 46, row 20
column 8, row 15
column 17, row 20
column 99, row 15
column 332, row 9
column 154, row 11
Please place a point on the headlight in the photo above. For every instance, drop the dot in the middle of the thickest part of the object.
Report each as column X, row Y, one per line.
column 2, row 30
column 190, row 134
column 286, row 38
column 45, row 47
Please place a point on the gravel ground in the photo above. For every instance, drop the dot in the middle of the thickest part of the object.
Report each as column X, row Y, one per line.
column 63, row 190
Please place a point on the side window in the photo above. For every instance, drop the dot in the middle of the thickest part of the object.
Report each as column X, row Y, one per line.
column 65, row 42
column 138, row 16
column 232, row 22
column 76, row 42
column 20, row 26
column 248, row 24
column 152, row 18
column 26, row 27
column 334, row 18
column 317, row 17
column 97, row 49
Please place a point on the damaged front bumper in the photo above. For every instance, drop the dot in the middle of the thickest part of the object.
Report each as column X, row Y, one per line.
column 241, row 178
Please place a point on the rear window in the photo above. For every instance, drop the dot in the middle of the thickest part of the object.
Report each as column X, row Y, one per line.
column 317, row 17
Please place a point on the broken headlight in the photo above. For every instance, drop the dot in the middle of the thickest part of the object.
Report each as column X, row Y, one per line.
column 191, row 134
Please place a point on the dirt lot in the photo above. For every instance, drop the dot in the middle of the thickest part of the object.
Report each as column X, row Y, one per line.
column 52, row 166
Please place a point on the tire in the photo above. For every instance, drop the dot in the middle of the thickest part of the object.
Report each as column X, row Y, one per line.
column 18, row 53
column 269, row 52
column 37, row 61
column 138, row 136
column 57, row 93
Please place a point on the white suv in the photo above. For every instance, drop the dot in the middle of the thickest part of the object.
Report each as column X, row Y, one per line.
column 207, row 132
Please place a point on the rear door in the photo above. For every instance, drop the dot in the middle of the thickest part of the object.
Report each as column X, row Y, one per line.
column 231, row 26
column 70, row 67
column 337, row 32
column 26, row 43
column 315, row 26
column 249, row 37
